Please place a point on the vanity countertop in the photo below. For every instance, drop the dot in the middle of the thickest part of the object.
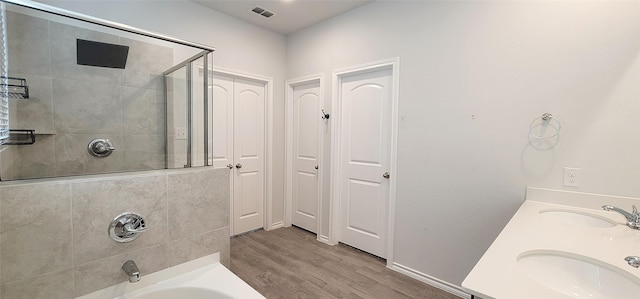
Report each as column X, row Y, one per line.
column 551, row 221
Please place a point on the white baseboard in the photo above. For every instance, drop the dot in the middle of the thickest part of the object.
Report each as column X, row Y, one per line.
column 430, row 280
column 277, row 225
column 323, row 239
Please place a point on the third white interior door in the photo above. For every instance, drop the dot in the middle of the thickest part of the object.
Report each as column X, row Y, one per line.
column 366, row 108
column 307, row 104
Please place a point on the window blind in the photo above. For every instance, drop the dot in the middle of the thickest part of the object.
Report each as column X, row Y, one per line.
column 4, row 92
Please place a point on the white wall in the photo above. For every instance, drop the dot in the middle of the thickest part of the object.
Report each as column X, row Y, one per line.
column 473, row 75
column 240, row 46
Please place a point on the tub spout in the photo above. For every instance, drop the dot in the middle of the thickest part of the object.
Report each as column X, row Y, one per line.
column 132, row 271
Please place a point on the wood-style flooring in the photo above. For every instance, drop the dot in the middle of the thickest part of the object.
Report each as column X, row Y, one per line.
column 290, row 263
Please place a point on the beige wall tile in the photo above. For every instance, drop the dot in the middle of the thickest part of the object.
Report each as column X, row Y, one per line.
column 198, row 201
column 86, row 107
column 144, row 152
column 29, row 38
column 37, row 160
column 92, row 203
column 97, row 203
column 54, row 285
column 193, row 247
column 146, row 63
column 103, row 273
column 72, row 157
column 148, row 57
column 36, row 230
column 143, row 110
column 7, row 159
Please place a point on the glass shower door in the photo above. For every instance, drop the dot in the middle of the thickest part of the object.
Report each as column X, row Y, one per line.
column 189, row 111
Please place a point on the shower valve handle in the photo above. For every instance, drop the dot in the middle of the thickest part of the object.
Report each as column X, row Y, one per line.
column 100, row 147
column 104, row 147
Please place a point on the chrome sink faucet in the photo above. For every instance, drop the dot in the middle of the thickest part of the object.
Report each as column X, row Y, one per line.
column 132, row 271
column 633, row 218
column 633, row 261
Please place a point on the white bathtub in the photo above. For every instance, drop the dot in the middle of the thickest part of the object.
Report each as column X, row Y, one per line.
column 204, row 278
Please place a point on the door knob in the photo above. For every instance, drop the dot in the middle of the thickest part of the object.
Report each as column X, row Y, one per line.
column 238, row 165
column 386, row 175
column 316, row 167
column 230, row 166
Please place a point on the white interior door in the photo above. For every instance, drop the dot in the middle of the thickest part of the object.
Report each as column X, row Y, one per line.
column 238, row 135
column 222, row 144
column 305, row 152
column 248, row 153
column 222, row 121
column 366, row 107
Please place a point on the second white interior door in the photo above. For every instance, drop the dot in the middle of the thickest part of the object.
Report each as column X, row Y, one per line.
column 306, row 151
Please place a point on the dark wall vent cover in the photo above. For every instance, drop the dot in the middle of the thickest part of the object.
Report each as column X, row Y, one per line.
column 101, row 54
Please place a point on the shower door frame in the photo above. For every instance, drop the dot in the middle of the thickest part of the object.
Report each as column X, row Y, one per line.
column 189, row 80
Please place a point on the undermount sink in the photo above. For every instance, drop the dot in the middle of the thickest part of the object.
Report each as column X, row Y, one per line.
column 182, row 292
column 578, row 218
column 579, row 276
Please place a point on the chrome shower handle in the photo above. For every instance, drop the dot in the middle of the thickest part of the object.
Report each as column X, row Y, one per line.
column 126, row 227
column 130, row 228
column 106, row 146
column 100, row 147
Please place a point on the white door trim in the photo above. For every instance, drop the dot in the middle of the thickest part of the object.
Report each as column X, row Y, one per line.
column 290, row 84
column 268, row 169
column 336, row 175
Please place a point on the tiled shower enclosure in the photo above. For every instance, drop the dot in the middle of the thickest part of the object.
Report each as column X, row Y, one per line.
column 72, row 104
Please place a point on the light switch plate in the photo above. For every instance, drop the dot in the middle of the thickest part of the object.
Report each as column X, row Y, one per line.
column 180, row 133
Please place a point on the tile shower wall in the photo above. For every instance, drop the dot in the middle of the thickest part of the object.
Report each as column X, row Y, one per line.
column 72, row 104
column 53, row 232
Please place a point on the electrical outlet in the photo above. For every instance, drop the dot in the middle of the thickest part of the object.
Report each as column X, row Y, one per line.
column 180, row 133
column 571, row 177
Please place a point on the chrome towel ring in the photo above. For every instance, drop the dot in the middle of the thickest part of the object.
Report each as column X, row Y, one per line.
column 541, row 124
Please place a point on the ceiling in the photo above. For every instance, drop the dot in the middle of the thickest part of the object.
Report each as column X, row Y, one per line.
column 288, row 15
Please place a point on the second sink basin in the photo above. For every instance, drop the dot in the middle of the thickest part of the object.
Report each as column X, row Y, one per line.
column 578, row 276
column 578, row 218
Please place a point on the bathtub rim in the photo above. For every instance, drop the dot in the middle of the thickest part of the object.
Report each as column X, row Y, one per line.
column 170, row 276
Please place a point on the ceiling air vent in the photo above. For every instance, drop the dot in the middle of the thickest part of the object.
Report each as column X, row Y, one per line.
column 263, row 12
